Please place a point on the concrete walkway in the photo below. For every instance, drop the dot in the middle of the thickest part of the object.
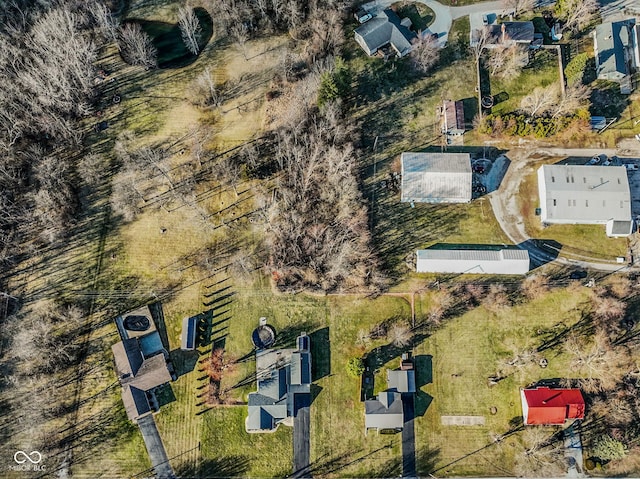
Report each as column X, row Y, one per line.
column 573, row 452
column 155, row 448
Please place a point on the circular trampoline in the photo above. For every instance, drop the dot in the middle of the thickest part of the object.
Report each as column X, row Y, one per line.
column 263, row 336
column 136, row 323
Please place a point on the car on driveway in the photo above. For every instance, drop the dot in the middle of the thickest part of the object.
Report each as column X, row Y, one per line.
column 597, row 159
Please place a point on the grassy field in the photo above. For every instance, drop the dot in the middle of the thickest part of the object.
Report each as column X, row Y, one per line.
column 160, row 256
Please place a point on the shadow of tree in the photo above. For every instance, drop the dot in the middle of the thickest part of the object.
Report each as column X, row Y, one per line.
column 225, row 467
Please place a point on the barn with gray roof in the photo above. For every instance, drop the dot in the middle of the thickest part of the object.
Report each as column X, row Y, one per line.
column 436, row 177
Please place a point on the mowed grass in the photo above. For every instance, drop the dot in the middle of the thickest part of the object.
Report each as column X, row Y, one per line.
column 576, row 240
column 464, row 353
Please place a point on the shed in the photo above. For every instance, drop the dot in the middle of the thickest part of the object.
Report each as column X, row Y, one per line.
column 497, row 260
column 436, row 177
column 189, row 333
column 452, row 118
column 547, row 406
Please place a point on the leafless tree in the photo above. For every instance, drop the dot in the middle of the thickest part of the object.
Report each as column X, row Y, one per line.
column 91, row 169
column 507, row 61
column 539, row 455
column 400, row 334
column 539, row 101
column 108, row 23
column 620, row 287
column 579, row 13
column 535, row 286
column 575, row 97
column 518, row 6
column 599, row 363
column 240, row 34
column 136, row 46
column 205, row 91
column 189, row 28
column 497, row 298
column 425, row 53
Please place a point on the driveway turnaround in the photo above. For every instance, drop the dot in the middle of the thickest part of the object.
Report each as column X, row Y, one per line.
column 155, row 448
column 301, row 456
column 408, row 437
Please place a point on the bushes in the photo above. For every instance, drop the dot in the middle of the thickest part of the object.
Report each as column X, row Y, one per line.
column 574, row 71
column 607, row 448
column 513, row 124
column 355, row 367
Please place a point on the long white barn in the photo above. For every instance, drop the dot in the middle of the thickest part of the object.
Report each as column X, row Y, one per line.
column 473, row 261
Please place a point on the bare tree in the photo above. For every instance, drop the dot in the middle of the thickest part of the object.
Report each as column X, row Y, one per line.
column 189, row 28
column 507, row 61
column 576, row 96
column 91, row 169
column 240, row 34
column 425, row 53
column 205, row 90
column 539, row 101
column 539, row 455
column 108, row 23
column 518, row 6
column 578, row 13
column 535, row 286
column 400, row 334
column 136, row 46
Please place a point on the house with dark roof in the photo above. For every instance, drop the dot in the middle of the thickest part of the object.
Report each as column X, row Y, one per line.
column 385, row 412
column 551, row 406
column 283, row 382
column 385, row 29
column 509, row 34
column 617, row 52
column 140, row 362
column 452, row 118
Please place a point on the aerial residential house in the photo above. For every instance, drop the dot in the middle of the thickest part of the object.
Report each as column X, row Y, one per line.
column 452, row 118
column 497, row 260
column 436, row 177
column 284, row 383
column 551, row 406
column 385, row 29
column 585, row 194
column 617, row 52
column 385, row 412
column 509, row 34
column 141, row 362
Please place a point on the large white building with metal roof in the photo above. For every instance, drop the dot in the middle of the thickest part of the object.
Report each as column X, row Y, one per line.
column 585, row 194
column 473, row 261
column 436, row 177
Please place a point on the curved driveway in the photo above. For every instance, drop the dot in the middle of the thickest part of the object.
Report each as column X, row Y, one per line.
column 444, row 15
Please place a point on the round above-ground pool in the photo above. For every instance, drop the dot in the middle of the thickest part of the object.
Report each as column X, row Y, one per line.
column 263, row 336
column 136, row 323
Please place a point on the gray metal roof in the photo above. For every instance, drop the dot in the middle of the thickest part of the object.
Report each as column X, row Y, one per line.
column 473, row 261
column 611, row 40
column 300, row 368
column 384, row 412
column 436, row 177
column 402, row 381
column 584, row 194
column 519, row 31
column 385, row 28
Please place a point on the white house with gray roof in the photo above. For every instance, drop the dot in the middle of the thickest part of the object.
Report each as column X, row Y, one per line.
column 617, row 52
column 282, row 375
column 436, row 177
column 384, row 412
column 384, row 29
column 488, row 260
column 585, row 194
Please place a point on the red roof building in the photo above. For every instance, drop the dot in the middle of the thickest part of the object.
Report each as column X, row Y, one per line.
column 551, row 406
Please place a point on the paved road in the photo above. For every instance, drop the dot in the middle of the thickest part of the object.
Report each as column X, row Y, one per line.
column 408, row 437
column 155, row 448
column 301, row 449
column 444, row 15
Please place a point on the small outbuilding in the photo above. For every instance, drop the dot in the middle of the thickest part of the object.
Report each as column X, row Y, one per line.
column 189, row 333
column 436, row 177
column 551, row 406
column 452, row 118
